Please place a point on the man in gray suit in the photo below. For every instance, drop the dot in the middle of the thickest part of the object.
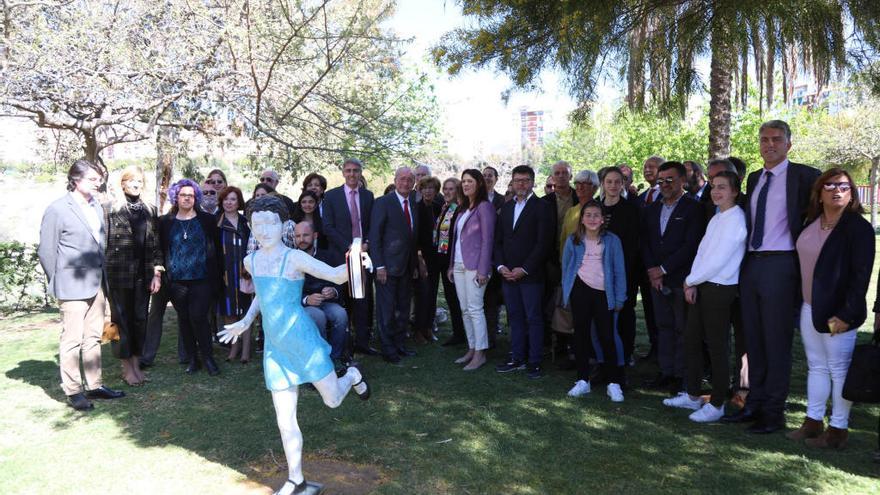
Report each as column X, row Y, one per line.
column 72, row 243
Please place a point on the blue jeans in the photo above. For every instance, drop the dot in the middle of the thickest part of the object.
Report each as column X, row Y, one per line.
column 332, row 321
column 526, row 319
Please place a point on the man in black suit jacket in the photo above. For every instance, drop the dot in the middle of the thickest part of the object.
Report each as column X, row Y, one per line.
column 778, row 196
column 521, row 245
column 321, row 299
column 671, row 232
column 394, row 225
column 339, row 229
column 492, row 299
column 651, row 194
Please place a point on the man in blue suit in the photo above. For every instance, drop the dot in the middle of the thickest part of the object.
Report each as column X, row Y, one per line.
column 347, row 211
column 393, row 248
column 522, row 235
column 671, row 230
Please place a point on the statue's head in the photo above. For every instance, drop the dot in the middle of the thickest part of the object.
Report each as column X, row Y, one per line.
column 267, row 215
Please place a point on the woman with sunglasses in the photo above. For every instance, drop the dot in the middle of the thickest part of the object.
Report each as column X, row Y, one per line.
column 836, row 253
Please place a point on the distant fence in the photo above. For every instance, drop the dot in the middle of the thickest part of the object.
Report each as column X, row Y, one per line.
column 865, row 196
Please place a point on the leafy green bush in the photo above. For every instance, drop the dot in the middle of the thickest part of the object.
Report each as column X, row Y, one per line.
column 22, row 282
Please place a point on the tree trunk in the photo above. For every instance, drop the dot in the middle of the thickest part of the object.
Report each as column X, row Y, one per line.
column 872, row 194
column 719, row 104
column 166, row 157
column 770, row 66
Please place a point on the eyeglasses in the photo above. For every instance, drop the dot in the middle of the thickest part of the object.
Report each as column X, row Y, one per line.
column 840, row 186
column 214, row 182
column 267, row 179
column 585, row 183
column 186, row 195
column 668, row 180
column 209, row 192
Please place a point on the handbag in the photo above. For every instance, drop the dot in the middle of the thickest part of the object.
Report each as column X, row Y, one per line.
column 863, row 378
column 110, row 333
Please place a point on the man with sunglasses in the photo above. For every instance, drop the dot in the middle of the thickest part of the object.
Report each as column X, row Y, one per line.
column 778, row 195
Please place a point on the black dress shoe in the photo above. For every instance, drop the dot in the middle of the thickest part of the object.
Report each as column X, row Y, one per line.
column 144, row 365
column 453, row 341
column 404, row 352
column 79, row 402
column 104, row 393
column 744, row 415
column 211, row 366
column 367, row 351
column 194, row 365
column 659, row 381
column 391, row 358
column 765, row 426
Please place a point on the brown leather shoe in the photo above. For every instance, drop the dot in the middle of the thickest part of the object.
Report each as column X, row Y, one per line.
column 832, row 438
column 810, row 429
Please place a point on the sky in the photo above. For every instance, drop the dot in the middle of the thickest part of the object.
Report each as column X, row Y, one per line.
column 476, row 121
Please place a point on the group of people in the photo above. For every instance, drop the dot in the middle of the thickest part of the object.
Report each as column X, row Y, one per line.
column 709, row 250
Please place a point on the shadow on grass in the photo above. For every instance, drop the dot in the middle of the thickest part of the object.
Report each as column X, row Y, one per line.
column 434, row 429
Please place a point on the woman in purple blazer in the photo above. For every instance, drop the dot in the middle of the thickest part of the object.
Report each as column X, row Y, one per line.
column 470, row 263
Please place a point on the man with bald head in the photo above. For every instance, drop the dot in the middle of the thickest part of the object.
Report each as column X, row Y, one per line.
column 270, row 178
column 393, row 248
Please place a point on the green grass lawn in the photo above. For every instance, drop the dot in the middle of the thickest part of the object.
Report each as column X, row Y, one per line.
column 429, row 428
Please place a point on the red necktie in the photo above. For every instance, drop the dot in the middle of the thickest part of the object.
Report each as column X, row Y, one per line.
column 406, row 214
column 355, row 215
column 650, row 198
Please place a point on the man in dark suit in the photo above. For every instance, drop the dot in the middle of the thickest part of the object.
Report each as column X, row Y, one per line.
column 393, row 248
column 321, row 299
column 671, row 230
column 651, row 194
column 492, row 299
column 347, row 211
column 778, row 195
column 521, row 238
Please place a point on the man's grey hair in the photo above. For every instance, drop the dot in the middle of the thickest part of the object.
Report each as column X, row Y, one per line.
column 564, row 164
column 777, row 124
column 656, row 159
column 401, row 170
column 271, row 173
column 587, row 176
column 427, row 169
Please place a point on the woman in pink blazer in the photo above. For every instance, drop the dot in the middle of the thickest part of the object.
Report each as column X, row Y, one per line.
column 470, row 263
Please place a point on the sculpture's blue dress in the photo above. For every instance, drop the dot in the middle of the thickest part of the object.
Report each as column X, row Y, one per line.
column 294, row 351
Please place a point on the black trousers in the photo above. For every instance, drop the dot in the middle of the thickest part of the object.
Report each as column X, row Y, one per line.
column 192, row 299
column 769, row 286
column 709, row 321
column 648, row 308
column 129, row 310
column 158, row 304
column 626, row 321
column 392, row 305
column 360, row 316
column 493, row 299
column 451, row 296
column 426, row 296
column 589, row 306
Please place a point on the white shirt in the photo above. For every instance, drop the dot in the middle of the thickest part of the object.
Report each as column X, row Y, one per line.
column 458, row 226
column 90, row 209
column 519, row 206
column 722, row 249
column 409, row 205
column 777, row 236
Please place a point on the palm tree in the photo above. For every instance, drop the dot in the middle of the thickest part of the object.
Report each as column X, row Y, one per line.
column 654, row 45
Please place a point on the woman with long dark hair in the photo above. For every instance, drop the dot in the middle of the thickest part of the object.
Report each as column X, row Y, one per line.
column 470, row 263
column 234, row 234
column 307, row 211
column 836, row 254
column 134, row 269
column 190, row 244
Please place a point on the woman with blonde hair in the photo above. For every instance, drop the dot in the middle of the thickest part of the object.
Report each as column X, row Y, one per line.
column 134, row 269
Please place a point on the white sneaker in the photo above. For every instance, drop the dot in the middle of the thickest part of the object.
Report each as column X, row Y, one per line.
column 614, row 392
column 683, row 400
column 707, row 414
column 580, row 389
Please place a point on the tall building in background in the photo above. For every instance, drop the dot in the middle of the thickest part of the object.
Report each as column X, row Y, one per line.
column 531, row 128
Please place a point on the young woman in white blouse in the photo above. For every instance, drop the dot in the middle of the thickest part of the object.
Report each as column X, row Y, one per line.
column 711, row 288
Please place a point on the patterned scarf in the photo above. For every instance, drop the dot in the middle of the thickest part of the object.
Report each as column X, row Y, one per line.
column 443, row 227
